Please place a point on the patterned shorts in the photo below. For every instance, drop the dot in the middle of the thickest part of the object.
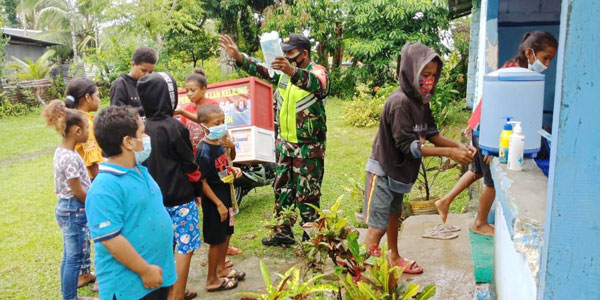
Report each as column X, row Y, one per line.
column 186, row 226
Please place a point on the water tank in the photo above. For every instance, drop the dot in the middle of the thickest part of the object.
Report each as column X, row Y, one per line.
column 517, row 93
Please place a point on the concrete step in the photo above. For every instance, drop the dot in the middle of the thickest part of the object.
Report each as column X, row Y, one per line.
column 447, row 264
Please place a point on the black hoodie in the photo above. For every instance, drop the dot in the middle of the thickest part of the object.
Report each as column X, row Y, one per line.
column 406, row 118
column 171, row 162
column 123, row 91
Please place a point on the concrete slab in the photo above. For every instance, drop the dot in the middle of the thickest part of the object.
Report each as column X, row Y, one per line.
column 251, row 265
column 447, row 264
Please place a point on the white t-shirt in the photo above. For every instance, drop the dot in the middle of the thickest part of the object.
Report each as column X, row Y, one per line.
column 68, row 165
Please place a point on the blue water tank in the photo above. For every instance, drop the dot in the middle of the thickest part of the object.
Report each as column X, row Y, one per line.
column 517, row 93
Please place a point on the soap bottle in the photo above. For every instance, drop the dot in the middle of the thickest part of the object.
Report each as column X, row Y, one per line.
column 516, row 148
column 504, row 142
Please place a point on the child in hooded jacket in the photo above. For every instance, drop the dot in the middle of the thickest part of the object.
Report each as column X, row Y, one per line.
column 171, row 164
column 406, row 124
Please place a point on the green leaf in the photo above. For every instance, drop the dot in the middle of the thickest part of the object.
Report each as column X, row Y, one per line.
column 428, row 292
column 410, row 291
column 265, row 274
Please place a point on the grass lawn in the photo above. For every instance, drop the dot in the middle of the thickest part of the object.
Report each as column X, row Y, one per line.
column 30, row 240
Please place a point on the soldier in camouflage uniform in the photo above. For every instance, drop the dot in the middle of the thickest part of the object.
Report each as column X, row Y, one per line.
column 300, row 94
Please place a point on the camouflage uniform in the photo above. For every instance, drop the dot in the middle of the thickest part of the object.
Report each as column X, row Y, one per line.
column 300, row 113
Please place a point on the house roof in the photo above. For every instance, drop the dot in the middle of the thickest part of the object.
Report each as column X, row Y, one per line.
column 459, row 8
column 20, row 37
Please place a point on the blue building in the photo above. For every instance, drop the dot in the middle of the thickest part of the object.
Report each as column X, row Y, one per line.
column 547, row 239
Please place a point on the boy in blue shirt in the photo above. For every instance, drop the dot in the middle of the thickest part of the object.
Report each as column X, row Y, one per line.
column 131, row 228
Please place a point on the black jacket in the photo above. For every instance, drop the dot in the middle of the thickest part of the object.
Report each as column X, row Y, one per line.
column 123, row 91
column 171, row 162
column 406, row 118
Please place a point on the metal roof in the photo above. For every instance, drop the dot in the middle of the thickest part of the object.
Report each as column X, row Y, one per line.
column 21, row 37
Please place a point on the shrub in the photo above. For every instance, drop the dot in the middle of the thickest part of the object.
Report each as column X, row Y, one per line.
column 365, row 109
column 10, row 109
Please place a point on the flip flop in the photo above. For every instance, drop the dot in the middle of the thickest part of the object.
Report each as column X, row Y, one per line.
column 410, row 266
column 446, row 227
column 239, row 275
column 439, row 235
column 189, row 295
column 228, row 284
column 231, row 250
column 228, row 263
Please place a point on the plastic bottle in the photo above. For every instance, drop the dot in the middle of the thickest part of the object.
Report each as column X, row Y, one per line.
column 516, row 147
column 504, row 142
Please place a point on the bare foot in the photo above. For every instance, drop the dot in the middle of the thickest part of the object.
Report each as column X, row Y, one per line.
column 85, row 279
column 442, row 207
column 483, row 229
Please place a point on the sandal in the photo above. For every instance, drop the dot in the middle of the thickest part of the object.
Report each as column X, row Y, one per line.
column 228, row 284
column 446, row 228
column 239, row 275
column 189, row 295
column 231, row 250
column 228, row 263
column 410, row 266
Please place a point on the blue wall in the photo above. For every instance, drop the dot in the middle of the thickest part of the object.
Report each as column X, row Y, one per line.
column 509, row 38
column 571, row 255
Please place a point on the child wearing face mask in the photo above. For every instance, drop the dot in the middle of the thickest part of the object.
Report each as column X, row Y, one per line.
column 82, row 94
column 131, row 228
column 196, row 85
column 406, row 124
column 217, row 209
column 71, row 181
column 536, row 51
column 171, row 163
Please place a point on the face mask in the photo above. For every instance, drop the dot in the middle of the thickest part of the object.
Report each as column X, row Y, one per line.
column 216, row 132
column 141, row 156
column 537, row 65
column 293, row 60
column 426, row 85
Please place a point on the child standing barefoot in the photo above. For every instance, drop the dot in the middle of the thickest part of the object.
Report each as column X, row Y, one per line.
column 71, row 182
column 217, row 203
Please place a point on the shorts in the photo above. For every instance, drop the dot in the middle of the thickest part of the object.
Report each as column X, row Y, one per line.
column 380, row 201
column 479, row 167
column 186, row 227
column 215, row 231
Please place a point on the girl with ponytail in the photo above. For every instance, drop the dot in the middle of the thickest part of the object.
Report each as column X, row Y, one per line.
column 71, row 182
column 83, row 95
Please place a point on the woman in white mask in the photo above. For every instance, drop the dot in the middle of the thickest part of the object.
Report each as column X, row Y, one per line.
column 536, row 51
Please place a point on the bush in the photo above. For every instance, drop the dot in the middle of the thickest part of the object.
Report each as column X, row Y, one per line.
column 10, row 109
column 365, row 108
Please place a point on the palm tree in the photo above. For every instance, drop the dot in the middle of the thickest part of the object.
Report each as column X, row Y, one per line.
column 33, row 70
column 57, row 15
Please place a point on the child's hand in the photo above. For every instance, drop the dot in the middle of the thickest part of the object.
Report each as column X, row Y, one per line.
column 199, row 201
column 226, row 142
column 223, row 212
column 468, row 132
column 472, row 150
column 461, row 156
column 237, row 172
column 177, row 111
column 152, row 277
column 487, row 159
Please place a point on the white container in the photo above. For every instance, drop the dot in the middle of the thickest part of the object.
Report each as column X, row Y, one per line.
column 515, row 148
column 270, row 43
column 517, row 93
column 253, row 145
